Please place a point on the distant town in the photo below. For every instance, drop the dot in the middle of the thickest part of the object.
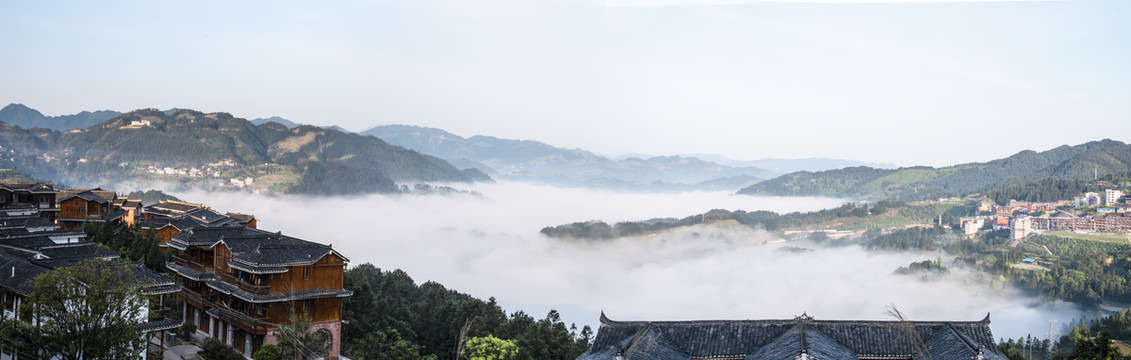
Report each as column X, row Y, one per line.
column 1091, row 212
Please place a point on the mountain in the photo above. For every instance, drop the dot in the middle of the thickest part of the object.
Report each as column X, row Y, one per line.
column 916, row 183
column 289, row 124
column 527, row 160
column 218, row 150
column 785, row 166
column 25, row 117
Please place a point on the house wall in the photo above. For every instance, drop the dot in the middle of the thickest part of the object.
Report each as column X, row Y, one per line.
column 326, row 273
column 73, row 208
column 165, row 234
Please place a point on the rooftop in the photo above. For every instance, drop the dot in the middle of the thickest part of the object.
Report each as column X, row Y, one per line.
column 789, row 339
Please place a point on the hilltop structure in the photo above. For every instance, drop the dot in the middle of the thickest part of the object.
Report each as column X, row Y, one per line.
column 799, row 338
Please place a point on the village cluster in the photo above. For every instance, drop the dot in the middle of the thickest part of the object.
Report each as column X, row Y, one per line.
column 227, row 279
column 1091, row 212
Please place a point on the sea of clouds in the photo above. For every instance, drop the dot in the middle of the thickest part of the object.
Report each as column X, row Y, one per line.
column 490, row 245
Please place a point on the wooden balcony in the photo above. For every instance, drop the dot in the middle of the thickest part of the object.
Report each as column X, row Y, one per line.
column 254, row 289
column 253, row 324
column 192, row 264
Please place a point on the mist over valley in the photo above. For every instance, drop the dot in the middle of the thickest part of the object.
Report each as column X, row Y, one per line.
column 490, row 246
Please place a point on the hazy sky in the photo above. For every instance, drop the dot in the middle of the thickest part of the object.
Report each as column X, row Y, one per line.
column 908, row 82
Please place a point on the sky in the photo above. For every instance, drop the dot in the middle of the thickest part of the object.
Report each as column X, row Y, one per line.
column 893, row 81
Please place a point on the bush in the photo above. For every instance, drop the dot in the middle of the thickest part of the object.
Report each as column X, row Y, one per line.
column 185, row 331
column 215, row 350
column 268, row 352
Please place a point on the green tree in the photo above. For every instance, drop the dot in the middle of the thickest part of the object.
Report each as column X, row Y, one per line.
column 86, row 311
column 489, row 348
column 215, row 350
column 381, row 345
column 268, row 352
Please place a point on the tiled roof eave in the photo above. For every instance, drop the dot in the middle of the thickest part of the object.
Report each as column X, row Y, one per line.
column 189, row 273
column 269, row 298
column 255, row 269
column 161, row 290
column 159, row 325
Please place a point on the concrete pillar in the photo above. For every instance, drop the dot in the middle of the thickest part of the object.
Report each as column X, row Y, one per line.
column 247, row 345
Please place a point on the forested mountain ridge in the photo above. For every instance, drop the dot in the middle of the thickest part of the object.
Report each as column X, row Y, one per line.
column 25, row 117
column 917, row 183
column 528, row 160
column 218, row 149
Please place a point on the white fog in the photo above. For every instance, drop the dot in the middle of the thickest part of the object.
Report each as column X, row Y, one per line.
column 491, row 246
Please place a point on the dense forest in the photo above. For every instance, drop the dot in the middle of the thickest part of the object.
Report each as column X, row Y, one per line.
column 390, row 317
column 882, row 214
column 922, row 183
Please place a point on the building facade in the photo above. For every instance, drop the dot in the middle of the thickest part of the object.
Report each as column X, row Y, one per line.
column 242, row 284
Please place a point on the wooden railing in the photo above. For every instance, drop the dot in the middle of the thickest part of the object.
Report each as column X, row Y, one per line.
column 192, row 264
column 254, row 289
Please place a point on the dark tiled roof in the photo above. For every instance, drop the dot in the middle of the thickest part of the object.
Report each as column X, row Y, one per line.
column 16, row 273
column 190, row 273
column 162, row 324
column 173, row 206
column 243, row 218
column 95, row 195
column 158, row 212
column 151, row 282
column 26, row 222
column 195, row 218
column 35, row 187
column 117, row 213
column 788, row 339
column 71, row 253
column 207, row 216
column 253, row 248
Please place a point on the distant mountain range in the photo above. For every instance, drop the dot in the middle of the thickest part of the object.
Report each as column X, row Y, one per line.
column 218, row 150
column 526, row 160
column 785, row 166
column 289, row 124
column 25, row 117
column 917, row 183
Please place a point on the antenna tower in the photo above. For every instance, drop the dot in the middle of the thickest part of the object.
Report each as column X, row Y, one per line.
column 1052, row 334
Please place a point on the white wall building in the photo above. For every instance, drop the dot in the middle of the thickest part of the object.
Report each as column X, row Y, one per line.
column 1111, row 197
column 1020, row 227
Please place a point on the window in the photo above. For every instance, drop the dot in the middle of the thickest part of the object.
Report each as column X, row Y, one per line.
column 305, row 272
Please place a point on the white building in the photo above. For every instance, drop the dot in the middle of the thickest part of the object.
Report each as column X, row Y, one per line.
column 1020, row 227
column 1111, row 197
column 970, row 226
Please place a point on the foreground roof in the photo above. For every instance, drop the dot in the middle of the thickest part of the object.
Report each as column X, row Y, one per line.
column 255, row 250
column 799, row 338
column 28, row 187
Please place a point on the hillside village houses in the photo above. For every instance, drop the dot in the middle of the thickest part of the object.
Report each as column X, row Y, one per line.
column 1112, row 214
column 229, row 280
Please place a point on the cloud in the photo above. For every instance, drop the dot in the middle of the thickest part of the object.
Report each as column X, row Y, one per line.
column 490, row 246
